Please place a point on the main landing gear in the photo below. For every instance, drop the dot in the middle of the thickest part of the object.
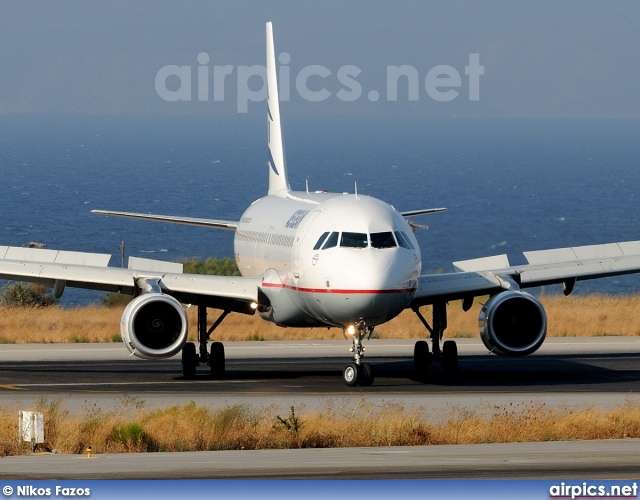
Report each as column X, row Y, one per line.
column 215, row 357
column 357, row 372
column 448, row 356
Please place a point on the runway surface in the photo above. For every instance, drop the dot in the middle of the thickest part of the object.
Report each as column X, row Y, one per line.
column 596, row 370
column 565, row 372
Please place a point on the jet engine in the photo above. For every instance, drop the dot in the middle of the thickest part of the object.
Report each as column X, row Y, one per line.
column 513, row 323
column 154, row 325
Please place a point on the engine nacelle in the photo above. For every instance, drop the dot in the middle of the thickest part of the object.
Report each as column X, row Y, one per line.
column 154, row 325
column 513, row 323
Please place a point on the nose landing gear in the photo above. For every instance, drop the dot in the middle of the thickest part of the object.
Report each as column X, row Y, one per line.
column 357, row 372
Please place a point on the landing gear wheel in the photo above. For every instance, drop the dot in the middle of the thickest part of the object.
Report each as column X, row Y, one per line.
column 367, row 374
column 421, row 360
column 216, row 360
column 350, row 374
column 189, row 360
column 450, row 360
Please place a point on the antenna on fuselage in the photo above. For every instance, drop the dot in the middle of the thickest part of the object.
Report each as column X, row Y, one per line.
column 356, row 189
column 306, row 183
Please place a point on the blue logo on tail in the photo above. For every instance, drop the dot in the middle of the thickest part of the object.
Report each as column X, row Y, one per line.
column 272, row 164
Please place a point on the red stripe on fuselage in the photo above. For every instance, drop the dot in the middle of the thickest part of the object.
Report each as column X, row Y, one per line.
column 339, row 291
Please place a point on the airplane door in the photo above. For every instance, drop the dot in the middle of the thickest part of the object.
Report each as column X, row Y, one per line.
column 299, row 243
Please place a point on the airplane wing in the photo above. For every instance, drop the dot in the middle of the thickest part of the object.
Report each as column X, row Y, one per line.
column 564, row 266
column 91, row 271
column 189, row 221
column 424, row 211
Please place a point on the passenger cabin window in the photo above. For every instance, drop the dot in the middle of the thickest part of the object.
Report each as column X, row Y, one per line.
column 321, row 241
column 332, row 241
column 404, row 241
column 383, row 240
column 354, row 240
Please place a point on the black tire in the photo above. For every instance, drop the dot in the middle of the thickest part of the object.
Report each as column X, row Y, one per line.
column 189, row 360
column 367, row 374
column 351, row 374
column 217, row 360
column 450, row 360
column 421, row 360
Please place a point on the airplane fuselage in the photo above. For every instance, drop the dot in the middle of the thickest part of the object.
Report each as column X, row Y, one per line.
column 330, row 259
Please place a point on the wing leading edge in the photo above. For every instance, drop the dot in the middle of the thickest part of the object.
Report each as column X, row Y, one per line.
column 90, row 271
column 424, row 211
column 564, row 266
column 189, row 221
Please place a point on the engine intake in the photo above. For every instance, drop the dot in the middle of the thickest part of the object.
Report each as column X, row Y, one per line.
column 513, row 323
column 154, row 325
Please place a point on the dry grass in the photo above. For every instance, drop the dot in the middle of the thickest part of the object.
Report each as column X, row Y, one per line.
column 196, row 428
column 575, row 316
column 595, row 315
column 55, row 325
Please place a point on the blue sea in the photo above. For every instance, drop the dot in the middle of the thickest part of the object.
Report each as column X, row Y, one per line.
column 510, row 184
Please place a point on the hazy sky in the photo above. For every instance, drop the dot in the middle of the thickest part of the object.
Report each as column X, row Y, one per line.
column 539, row 58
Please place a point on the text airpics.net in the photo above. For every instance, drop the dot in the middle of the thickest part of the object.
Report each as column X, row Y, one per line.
column 587, row 490
column 206, row 82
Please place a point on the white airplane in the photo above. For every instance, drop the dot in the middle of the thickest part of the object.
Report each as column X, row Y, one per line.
column 318, row 259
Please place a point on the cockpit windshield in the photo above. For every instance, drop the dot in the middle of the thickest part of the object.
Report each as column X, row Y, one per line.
column 321, row 241
column 382, row 240
column 332, row 241
column 404, row 241
column 354, row 240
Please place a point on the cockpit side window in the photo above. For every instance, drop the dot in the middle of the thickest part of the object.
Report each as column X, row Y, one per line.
column 354, row 240
column 383, row 240
column 404, row 241
column 321, row 241
column 332, row 241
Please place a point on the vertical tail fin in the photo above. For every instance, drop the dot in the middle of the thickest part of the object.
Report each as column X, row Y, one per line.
column 278, row 182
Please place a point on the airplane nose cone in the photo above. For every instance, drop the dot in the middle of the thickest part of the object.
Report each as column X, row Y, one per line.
column 370, row 285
